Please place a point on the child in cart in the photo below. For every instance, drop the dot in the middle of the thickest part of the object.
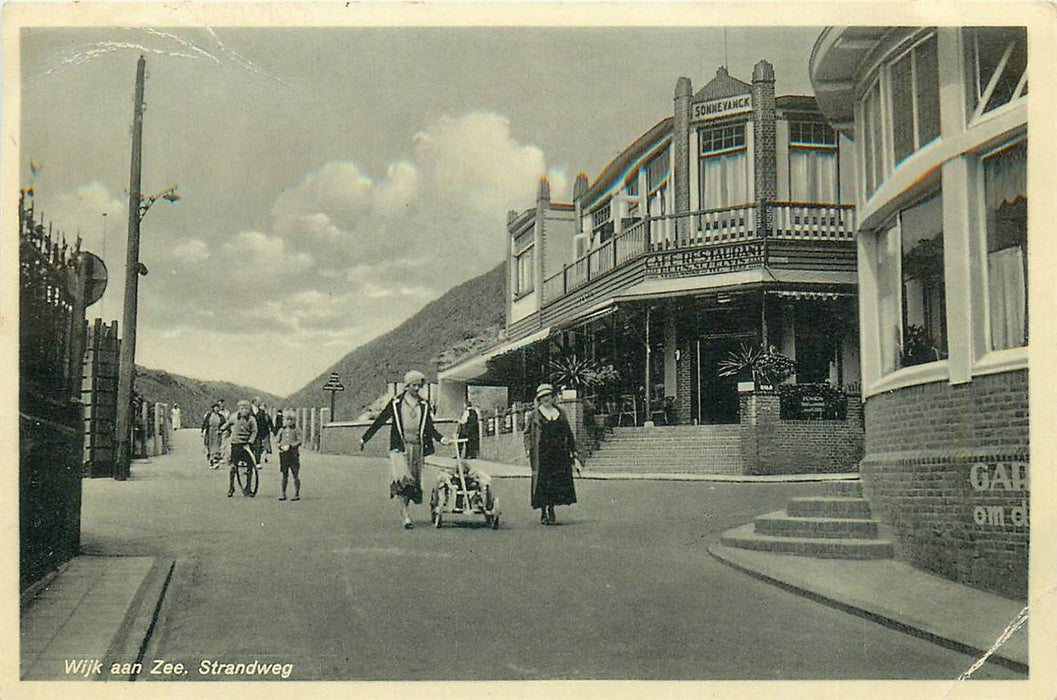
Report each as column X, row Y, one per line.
column 466, row 478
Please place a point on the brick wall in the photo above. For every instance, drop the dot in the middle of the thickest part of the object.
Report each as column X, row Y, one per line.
column 946, row 469
column 770, row 445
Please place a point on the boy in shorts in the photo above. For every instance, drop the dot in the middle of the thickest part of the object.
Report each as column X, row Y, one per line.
column 290, row 453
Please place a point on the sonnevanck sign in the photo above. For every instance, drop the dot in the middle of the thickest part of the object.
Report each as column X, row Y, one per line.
column 722, row 107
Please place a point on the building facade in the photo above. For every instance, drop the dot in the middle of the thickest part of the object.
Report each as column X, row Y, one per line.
column 726, row 227
column 939, row 121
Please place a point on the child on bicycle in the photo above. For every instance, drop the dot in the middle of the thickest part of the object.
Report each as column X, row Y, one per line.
column 243, row 427
column 290, row 453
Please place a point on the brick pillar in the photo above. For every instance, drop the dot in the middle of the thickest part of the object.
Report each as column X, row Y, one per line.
column 681, row 154
column 760, row 412
column 684, row 385
column 574, row 411
column 765, row 166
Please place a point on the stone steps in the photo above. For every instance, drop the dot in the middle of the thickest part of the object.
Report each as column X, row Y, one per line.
column 781, row 524
column 828, row 507
column 746, row 537
column 836, row 525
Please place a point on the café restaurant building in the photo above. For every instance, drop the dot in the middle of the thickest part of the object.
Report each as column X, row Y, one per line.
column 939, row 117
column 728, row 224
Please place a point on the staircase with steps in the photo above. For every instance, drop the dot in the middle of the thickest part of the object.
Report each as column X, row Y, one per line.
column 698, row 449
column 834, row 526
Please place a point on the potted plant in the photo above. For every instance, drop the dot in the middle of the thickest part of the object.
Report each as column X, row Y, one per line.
column 765, row 367
column 577, row 374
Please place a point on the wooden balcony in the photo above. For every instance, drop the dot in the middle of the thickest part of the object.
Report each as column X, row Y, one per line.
column 785, row 221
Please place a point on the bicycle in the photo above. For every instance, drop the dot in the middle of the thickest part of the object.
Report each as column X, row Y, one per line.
column 247, row 473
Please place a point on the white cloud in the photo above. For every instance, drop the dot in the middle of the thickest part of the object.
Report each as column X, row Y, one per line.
column 192, row 250
column 345, row 257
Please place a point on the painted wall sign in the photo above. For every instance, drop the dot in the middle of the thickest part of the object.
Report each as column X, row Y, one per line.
column 721, row 107
column 709, row 260
column 999, row 479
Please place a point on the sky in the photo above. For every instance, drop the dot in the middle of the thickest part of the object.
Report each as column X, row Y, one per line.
column 333, row 181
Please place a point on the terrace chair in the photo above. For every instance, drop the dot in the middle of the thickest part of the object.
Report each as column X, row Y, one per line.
column 629, row 408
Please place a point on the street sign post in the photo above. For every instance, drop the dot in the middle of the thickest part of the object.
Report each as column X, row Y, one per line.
column 333, row 385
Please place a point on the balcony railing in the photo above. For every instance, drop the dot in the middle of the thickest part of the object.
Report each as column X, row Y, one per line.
column 788, row 221
column 812, row 222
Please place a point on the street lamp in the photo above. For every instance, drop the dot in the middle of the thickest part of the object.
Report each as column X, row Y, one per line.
column 127, row 363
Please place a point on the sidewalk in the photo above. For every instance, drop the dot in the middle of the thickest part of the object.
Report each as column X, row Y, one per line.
column 899, row 596
column 506, row 471
column 92, row 613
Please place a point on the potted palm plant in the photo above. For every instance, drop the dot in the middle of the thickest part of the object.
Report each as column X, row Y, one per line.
column 764, row 367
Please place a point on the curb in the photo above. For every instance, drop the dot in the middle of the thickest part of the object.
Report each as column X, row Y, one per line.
column 130, row 641
column 34, row 589
column 860, row 610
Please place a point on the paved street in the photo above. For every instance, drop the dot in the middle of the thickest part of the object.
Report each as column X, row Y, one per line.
column 622, row 588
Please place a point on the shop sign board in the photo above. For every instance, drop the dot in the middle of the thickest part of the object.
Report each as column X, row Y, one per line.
column 722, row 107
column 707, row 260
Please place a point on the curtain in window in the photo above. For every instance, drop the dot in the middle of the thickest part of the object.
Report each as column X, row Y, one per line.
column 724, row 180
column 1006, row 176
column 1007, row 291
column 889, row 316
column 813, row 175
column 1005, row 193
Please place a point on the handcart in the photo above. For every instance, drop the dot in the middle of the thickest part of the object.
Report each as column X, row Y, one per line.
column 459, row 492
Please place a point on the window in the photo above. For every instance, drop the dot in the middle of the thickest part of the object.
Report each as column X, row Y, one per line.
column 996, row 66
column 872, row 138
column 724, row 167
column 812, row 162
column 811, row 134
column 602, row 223
column 1006, row 206
column 911, row 288
column 657, row 172
column 722, row 138
column 924, row 309
column 915, row 97
column 525, row 263
column 631, row 187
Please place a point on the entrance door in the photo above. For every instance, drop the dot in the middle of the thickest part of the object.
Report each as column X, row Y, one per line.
column 717, row 396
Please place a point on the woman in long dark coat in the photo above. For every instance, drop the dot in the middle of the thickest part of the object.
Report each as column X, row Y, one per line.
column 551, row 450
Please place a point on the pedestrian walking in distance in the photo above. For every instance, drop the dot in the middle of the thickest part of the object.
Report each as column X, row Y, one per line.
column 470, row 430
column 263, row 445
column 290, row 453
column 213, row 435
column 225, row 434
column 175, row 416
column 551, row 451
column 243, row 429
column 410, row 441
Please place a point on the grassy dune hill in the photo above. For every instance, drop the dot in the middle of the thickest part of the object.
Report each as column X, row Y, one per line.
column 464, row 320
column 195, row 396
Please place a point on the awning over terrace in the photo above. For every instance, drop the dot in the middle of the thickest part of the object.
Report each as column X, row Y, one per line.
column 477, row 366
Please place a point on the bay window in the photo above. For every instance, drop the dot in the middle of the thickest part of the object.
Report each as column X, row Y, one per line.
column 915, row 99
column 912, row 320
column 1006, row 215
column 996, row 67
column 872, row 138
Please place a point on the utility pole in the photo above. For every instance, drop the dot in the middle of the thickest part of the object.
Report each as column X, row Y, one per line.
column 127, row 362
